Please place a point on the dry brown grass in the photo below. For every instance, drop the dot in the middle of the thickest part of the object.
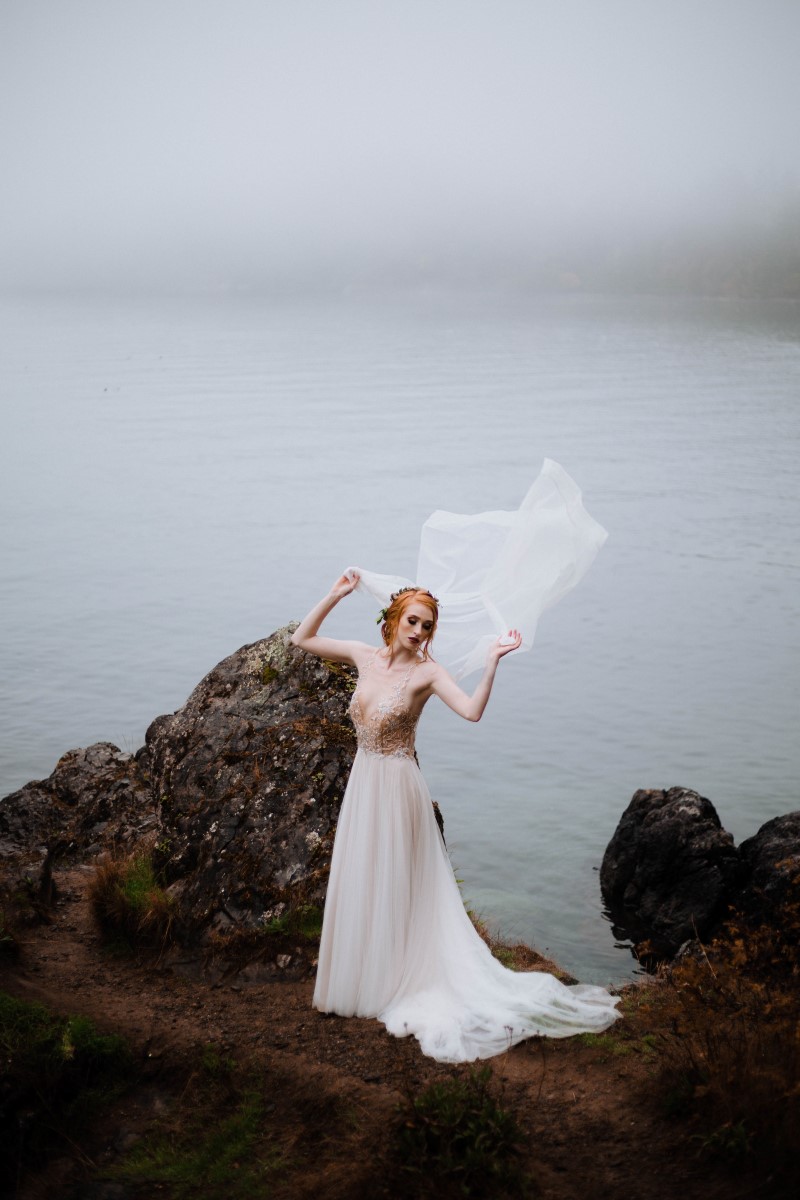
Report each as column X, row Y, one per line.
column 130, row 905
column 518, row 956
column 728, row 1026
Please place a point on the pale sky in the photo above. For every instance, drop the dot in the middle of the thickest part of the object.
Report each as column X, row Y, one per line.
column 220, row 140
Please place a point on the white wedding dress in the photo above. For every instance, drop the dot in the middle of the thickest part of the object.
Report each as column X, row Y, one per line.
column 397, row 943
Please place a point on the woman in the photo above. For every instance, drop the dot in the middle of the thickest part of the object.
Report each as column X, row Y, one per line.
column 397, row 943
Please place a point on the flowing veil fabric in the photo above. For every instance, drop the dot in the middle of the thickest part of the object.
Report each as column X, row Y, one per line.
column 495, row 571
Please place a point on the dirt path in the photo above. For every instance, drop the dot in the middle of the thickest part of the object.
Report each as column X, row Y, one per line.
column 595, row 1127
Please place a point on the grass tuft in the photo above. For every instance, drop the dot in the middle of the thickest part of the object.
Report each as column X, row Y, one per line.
column 130, row 905
column 517, row 956
column 456, row 1139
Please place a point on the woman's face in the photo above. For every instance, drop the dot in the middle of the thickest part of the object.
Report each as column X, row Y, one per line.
column 415, row 627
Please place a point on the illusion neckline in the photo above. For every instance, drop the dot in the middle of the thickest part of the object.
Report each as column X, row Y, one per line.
column 416, row 662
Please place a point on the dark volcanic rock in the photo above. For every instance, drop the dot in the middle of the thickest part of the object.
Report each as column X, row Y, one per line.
column 94, row 798
column 89, row 788
column 669, row 869
column 250, row 774
column 771, row 860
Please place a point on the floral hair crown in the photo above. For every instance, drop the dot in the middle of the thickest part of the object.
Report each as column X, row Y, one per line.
column 384, row 611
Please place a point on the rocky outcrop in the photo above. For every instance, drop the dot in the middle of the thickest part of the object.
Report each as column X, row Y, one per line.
column 671, row 873
column 771, row 862
column 95, row 798
column 237, row 793
column 669, row 868
column 250, row 774
column 91, row 792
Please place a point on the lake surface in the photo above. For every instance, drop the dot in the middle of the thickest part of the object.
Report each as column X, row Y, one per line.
column 180, row 477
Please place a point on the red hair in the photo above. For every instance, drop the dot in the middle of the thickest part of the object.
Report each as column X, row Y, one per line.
column 399, row 603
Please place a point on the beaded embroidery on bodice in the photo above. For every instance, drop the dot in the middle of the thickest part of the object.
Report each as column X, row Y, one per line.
column 391, row 728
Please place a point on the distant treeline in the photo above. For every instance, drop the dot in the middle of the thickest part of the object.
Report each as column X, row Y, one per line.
column 747, row 252
column 753, row 257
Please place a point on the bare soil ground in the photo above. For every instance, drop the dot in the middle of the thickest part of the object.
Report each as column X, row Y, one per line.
column 594, row 1124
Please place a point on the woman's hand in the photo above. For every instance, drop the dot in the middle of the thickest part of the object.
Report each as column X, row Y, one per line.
column 306, row 635
column 505, row 644
column 471, row 707
column 344, row 586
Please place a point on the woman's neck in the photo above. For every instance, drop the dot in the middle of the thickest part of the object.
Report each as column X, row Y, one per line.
column 399, row 656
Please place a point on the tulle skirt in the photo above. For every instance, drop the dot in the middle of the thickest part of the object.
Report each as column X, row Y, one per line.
column 397, row 943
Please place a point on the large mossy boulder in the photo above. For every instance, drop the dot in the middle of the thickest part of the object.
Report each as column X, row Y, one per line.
column 250, row 775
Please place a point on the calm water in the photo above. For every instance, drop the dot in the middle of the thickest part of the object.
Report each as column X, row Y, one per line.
column 181, row 477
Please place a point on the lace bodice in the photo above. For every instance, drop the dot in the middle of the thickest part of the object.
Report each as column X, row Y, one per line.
column 391, row 728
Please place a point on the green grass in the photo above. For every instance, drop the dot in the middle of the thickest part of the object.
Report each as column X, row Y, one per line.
column 57, row 1073
column 130, row 905
column 303, row 922
column 137, row 882
column 214, row 1143
column 603, row 1041
column 619, row 1045
column 218, row 1159
column 457, row 1138
column 214, row 1064
column 504, row 955
column 729, row 1142
column 35, row 1045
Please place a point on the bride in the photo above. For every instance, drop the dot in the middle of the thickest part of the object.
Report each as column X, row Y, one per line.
column 397, row 943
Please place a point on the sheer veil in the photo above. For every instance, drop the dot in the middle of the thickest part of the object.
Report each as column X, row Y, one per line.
column 495, row 571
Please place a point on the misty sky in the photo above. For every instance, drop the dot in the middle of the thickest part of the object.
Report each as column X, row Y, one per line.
column 228, row 140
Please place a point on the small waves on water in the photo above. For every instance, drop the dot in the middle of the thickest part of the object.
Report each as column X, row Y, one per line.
column 180, row 477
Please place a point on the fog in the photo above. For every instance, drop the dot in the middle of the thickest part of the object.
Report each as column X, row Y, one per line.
column 244, row 142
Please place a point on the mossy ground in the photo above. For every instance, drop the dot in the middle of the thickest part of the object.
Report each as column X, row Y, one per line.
column 215, row 1139
column 57, row 1074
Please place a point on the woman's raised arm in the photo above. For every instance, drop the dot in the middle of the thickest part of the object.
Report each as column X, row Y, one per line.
column 306, row 634
column 472, row 707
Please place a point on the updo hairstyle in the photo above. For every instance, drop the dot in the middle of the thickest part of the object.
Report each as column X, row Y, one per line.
column 399, row 603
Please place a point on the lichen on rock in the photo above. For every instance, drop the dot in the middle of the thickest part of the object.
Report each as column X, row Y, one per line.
column 251, row 771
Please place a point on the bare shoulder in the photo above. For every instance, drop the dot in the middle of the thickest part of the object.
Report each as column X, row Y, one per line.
column 362, row 652
column 429, row 673
column 441, row 682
